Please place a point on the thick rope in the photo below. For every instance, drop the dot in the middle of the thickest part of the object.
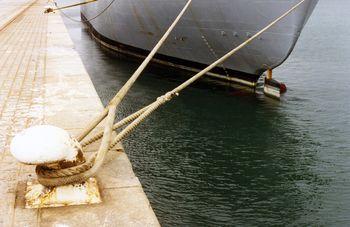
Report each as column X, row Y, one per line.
column 82, row 172
column 85, row 20
column 167, row 97
column 123, row 91
column 160, row 101
column 117, row 125
column 50, row 10
column 78, row 173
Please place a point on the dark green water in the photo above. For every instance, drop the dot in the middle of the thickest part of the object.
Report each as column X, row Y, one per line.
column 217, row 156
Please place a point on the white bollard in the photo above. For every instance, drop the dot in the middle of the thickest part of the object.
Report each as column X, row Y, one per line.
column 55, row 148
column 44, row 144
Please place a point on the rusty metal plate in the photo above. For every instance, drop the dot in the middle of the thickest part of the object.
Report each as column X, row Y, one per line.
column 39, row 196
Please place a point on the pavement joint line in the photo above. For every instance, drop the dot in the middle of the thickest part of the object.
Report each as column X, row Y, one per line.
column 26, row 61
column 18, row 13
column 18, row 68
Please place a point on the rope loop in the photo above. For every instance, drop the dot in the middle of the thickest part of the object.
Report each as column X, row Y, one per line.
column 53, row 177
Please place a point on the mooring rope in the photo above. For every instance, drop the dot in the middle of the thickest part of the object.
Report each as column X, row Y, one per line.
column 117, row 125
column 88, row 169
column 123, row 91
column 60, row 9
column 82, row 172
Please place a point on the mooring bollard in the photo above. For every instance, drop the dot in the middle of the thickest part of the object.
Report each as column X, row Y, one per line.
column 61, row 165
column 53, row 148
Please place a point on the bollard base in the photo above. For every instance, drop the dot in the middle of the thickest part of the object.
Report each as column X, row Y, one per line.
column 39, row 196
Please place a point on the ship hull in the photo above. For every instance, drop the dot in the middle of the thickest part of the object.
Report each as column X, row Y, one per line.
column 208, row 30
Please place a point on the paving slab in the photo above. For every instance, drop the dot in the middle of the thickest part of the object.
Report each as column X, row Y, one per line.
column 10, row 9
column 43, row 81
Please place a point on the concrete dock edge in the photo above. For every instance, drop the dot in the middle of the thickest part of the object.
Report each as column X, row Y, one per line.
column 43, row 81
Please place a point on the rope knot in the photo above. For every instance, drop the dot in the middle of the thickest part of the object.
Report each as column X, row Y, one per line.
column 168, row 96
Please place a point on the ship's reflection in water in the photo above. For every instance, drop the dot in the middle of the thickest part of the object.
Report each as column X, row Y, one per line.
column 217, row 156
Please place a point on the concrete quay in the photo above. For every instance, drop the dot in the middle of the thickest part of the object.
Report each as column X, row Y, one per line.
column 43, row 81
